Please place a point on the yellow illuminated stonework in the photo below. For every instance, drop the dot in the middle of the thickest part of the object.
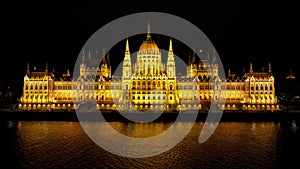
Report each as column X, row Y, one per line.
column 148, row 84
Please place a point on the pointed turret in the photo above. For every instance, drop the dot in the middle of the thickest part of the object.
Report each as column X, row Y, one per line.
column 68, row 72
column 90, row 55
column 251, row 70
column 105, row 70
column 83, row 57
column 190, row 59
column 107, row 60
column 28, row 69
column 46, row 68
column 127, row 51
column 103, row 58
column 270, row 69
column 127, row 46
column 171, row 46
column 127, row 63
column 171, row 63
column 229, row 73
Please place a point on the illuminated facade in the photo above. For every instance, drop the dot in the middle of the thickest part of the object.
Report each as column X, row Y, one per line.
column 148, row 84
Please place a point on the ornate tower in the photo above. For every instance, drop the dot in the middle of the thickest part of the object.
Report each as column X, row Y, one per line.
column 83, row 65
column 171, row 72
column 105, row 67
column 127, row 64
column 126, row 76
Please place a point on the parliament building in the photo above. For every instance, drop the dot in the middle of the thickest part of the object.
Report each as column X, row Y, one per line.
column 148, row 84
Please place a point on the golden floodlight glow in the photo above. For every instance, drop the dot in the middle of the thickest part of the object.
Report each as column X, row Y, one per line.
column 148, row 83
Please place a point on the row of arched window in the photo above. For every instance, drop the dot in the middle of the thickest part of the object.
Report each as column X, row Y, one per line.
column 36, row 87
column 261, row 87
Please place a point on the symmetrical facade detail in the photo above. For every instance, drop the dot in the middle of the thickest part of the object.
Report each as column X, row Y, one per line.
column 148, row 84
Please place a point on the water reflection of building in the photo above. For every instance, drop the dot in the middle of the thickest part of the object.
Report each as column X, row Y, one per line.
column 148, row 84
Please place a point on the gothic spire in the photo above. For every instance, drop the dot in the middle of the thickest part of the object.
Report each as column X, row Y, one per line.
column 83, row 56
column 127, row 46
column 251, row 70
column 170, row 47
column 46, row 69
column 28, row 69
column 107, row 59
column 68, row 72
column 103, row 57
column 90, row 55
column 270, row 69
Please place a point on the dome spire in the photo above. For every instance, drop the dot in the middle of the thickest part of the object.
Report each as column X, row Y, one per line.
column 148, row 34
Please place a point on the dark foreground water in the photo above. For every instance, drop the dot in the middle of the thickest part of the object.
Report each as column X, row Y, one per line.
column 51, row 144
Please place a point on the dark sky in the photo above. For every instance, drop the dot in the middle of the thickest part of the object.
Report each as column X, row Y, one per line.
column 54, row 31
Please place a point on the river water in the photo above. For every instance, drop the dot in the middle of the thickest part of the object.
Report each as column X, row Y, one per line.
column 59, row 144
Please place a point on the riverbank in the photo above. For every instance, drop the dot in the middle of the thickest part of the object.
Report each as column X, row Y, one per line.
column 164, row 117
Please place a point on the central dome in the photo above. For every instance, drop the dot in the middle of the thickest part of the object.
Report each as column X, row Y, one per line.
column 148, row 44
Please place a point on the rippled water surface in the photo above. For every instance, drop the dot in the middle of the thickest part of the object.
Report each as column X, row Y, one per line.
column 49, row 144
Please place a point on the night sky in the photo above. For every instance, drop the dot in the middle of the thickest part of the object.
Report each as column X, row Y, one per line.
column 55, row 32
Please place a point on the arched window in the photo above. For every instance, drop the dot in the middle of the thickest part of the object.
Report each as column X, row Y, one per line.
column 266, row 87
column 144, row 85
column 271, row 87
column 26, row 87
column 45, row 87
column 256, row 88
column 261, row 87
